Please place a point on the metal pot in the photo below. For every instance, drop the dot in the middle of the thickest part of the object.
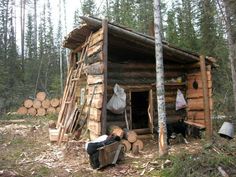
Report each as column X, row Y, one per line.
column 227, row 129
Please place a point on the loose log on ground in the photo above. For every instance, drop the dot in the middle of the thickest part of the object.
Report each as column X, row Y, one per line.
column 55, row 102
column 131, row 136
column 127, row 145
column 46, row 103
column 138, row 143
column 32, row 111
column 51, row 110
column 41, row 112
column 115, row 130
column 28, row 103
column 22, row 111
column 41, row 96
column 37, row 104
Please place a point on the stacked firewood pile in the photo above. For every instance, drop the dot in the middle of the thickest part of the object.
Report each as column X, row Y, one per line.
column 129, row 139
column 40, row 106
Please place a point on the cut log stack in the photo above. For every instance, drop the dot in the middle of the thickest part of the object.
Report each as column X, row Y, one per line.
column 40, row 106
column 130, row 141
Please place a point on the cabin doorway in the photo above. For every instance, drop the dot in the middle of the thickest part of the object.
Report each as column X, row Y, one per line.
column 139, row 107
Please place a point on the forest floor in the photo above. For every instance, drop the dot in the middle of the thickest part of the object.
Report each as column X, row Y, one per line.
column 25, row 150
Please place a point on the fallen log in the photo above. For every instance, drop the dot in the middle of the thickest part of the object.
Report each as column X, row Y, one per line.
column 115, row 130
column 32, row 111
column 55, row 102
column 41, row 112
column 138, row 143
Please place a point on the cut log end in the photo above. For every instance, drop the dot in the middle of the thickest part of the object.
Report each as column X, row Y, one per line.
column 41, row 96
column 28, row 103
column 46, row 104
column 32, row 111
column 55, row 102
column 41, row 112
column 131, row 136
column 51, row 110
column 138, row 143
column 127, row 145
column 22, row 111
column 37, row 104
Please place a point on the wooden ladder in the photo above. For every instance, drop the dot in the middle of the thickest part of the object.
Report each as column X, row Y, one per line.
column 68, row 105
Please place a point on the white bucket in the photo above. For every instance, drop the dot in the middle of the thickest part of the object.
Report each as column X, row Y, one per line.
column 227, row 129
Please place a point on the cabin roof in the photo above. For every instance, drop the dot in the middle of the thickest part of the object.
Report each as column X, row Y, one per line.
column 140, row 42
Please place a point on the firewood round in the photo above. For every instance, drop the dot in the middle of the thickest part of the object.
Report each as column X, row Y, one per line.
column 55, row 102
column 28, row 103
column 22, row 111
column 131, row 136
column 41, row 96
column 51, row 110
column 138, row 143
column 58, row 109
column 37, row 104
column 115, row 130
column 41, row 112
column 32, row 111
column 52, row 124
column 46, row 103
column 127, row 145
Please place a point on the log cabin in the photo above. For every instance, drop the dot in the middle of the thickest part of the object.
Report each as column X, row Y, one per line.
column 118, row 55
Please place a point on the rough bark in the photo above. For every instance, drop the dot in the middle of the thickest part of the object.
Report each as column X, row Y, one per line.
column 231, row 34
column 160, row 81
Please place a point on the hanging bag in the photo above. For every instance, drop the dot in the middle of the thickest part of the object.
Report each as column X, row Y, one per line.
column 180, row 101
column 117, row 103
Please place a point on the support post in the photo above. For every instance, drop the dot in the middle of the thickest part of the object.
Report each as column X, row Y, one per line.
column 205, row 97
column 105, row 57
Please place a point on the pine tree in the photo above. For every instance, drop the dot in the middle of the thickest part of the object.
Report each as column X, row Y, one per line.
column 88, row 7
column 172, row 35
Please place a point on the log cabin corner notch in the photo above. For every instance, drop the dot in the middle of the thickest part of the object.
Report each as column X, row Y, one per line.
column 119, row 55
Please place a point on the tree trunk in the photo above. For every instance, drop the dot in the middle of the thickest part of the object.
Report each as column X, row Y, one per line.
column 160, row 81
column 231, row 43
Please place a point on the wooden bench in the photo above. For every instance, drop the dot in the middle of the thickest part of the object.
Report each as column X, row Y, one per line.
column 197, row 125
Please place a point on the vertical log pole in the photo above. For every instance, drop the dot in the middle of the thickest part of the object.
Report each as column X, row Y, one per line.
column 160, row 80
column 105, row 58
column 205, row 97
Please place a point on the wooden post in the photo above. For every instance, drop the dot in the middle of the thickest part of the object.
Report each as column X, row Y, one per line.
column 162, row 130
column 205, row 98
column 105, row 57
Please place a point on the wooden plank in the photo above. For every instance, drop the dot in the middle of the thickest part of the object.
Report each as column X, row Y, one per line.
column 95, row 49
column 197, row 104
column 95, row 114
column 201, row 126
column 94, row 69
column 105, row 59
column 95, row 79
column 94, row 127
column 208, row 122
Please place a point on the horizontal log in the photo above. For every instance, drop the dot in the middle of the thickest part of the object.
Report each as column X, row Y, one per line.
column 173, row 119
column 198, row 76
column 95, row 58
column 142, row 131
column 197, row 104
column 99, row 89
column 95, row 49
column 121, row 124
column 94, row 127
column 197, row 93
column 199, row 82
column 96, row 37
column 195, row 115
column 95, row 79
column 94, row 69
column 170, row 99
column 94, row 114
column 96, row 102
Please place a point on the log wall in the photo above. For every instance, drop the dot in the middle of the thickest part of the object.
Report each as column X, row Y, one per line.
column 139, row 75
column 195, row 110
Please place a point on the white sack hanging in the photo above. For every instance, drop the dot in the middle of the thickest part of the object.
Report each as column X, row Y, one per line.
column 117, row 103
column 180, row 101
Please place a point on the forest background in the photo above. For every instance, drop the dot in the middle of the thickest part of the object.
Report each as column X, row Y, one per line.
column 36, row 61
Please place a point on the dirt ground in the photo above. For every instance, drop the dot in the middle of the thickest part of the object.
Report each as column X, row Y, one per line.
column 25, row 150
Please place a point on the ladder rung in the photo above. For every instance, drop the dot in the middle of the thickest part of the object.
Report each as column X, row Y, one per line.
column 75, row 79
column 67, row 102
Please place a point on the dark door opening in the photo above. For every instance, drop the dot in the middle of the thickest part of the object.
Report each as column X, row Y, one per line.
column 139, row 106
